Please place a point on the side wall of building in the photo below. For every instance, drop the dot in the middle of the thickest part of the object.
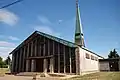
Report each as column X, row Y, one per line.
column 109, row 64
column 119, row 64
column 104, row 66
column 89, row 62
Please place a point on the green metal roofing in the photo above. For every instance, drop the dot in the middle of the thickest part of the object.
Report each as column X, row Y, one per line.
column 65, row 42
column 62, row 41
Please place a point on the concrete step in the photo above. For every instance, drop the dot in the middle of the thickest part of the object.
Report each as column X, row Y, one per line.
column 27, row 74
column 33, row 74
column 57, row 75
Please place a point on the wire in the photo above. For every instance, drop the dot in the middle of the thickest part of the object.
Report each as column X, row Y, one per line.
column 5, row 6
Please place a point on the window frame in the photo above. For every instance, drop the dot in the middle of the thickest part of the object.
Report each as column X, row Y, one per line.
column 92, row 57
column 87, row 56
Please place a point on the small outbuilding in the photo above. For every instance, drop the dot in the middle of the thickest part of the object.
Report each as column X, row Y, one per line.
column 112, row 64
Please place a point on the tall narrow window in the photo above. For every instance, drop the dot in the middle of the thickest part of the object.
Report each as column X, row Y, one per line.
column 56, row 64
column 87, row 56
column 92, row 57
column 51, row 47
column 42, row 47
column 61, row 58
column 73, row 60
column 46, row 47
column 96, row 58
column 67, row 59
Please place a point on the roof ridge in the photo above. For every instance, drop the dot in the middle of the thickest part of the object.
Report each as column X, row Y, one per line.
column 56, row 37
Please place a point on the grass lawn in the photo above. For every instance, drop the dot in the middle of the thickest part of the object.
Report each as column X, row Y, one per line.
column 3, row 71
column 99, row 76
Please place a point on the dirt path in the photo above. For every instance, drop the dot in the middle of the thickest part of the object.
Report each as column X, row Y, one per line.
column 11, row 77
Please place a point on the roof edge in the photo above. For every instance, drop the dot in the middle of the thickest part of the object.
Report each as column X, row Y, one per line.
column 57, row 38
column 21, row 43
column 37, row 32
column 91, row 51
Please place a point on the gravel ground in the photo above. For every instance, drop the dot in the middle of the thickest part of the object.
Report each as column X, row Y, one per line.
column 11, row 77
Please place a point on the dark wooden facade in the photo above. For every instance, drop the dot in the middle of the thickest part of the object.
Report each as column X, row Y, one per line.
column 41, row 54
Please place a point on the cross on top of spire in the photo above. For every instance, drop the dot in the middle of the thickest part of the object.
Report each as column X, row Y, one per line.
column 76, row 3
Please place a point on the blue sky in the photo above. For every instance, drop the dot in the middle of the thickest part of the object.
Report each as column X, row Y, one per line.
column 100, row 21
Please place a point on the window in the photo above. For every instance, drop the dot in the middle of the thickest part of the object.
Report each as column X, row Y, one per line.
column 96, row 58
column 92, row 57
column 87, row 56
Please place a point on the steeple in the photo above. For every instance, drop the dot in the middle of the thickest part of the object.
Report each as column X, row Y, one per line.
column 79, row 39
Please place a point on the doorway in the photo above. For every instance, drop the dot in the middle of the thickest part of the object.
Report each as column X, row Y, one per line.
column 114, row 65
column 39, row 65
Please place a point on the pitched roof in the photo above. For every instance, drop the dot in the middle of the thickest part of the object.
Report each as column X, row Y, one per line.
column 65, row 42
column 110, row 59
column 62, row 41
column 91, row 52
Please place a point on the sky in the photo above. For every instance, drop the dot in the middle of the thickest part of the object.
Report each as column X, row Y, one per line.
column 100, row 22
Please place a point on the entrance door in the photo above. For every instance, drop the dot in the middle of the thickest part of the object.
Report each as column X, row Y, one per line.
column 39, row 65
column 114, row 66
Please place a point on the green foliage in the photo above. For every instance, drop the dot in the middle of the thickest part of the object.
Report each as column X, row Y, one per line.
column 2, row 63
column 7, row 61
column 1, row 59
column 113, row 54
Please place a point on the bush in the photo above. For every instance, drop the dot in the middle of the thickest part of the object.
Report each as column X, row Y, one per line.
column 3, row 66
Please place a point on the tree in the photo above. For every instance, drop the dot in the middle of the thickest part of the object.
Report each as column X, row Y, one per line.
column 2, row 63
column 1, row 58
column 113, row 54
column 8, row 60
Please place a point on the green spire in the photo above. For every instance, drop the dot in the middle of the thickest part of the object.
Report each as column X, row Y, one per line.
column 79, row 39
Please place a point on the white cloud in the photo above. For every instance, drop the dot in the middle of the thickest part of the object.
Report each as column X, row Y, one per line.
column 44, row 20
column 13, row 38
column 8, row 17
column 6, row 48
column 46, row 29
column 9, row 37
column 4, row 51
column 6, row 44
